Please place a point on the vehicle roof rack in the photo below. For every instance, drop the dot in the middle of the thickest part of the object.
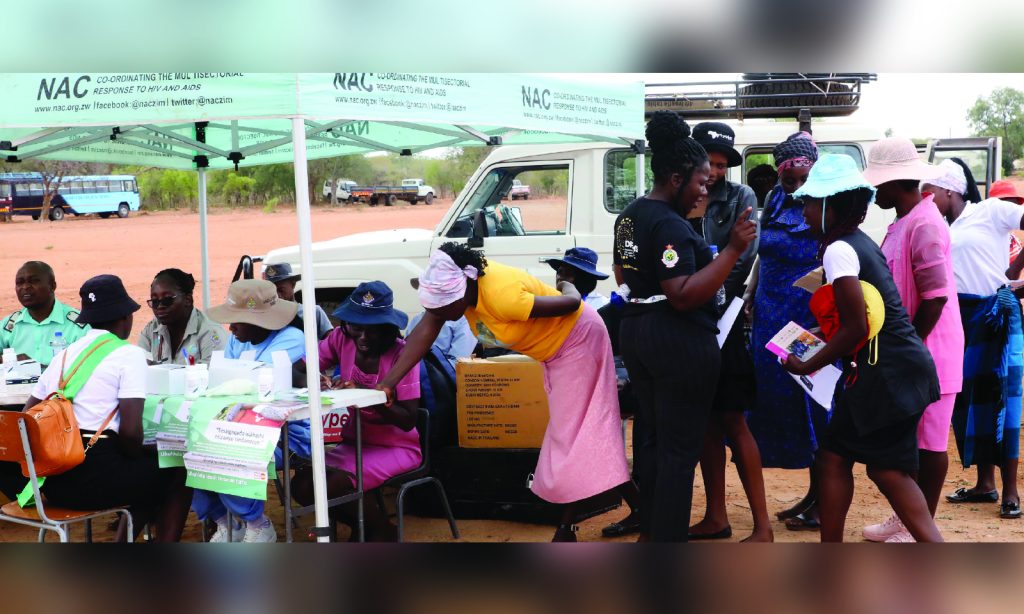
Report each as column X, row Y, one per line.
column 775, row 95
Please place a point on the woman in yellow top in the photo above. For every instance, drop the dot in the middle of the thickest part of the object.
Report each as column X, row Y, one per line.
column 583, row 453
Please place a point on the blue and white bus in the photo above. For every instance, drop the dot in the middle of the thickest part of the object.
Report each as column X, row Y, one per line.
column 104, row 195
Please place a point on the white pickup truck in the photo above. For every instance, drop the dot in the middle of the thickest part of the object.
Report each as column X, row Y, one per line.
column 591, row 183
column 344, row 189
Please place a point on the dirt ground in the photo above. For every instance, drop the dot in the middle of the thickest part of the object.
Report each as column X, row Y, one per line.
column 137, row 247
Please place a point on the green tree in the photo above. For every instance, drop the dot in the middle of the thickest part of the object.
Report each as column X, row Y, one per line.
column 238, row 188
column 1001, row 114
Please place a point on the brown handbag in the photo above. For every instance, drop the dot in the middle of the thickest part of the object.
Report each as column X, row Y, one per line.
column 53, row 431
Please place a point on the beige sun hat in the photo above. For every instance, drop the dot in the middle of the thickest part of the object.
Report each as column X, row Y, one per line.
column 896, row 158
column 255, row 301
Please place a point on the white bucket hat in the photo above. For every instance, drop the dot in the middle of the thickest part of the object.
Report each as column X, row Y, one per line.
column 894, row 159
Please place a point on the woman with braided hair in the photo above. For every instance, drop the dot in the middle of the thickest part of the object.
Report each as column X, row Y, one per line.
column 668, row 329
column 582, row 454
column 888, row 376
column 784, row 420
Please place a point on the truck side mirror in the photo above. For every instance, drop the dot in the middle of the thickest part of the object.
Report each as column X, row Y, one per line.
column 476, row 237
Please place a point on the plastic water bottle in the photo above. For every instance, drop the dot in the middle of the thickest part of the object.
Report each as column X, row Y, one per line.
column 720, row 294
column 58, row 344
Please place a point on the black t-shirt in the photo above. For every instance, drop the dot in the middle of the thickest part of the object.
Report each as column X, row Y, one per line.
column 654, row 243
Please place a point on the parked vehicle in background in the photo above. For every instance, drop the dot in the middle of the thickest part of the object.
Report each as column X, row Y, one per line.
column 344, row 189
column 519, row 191
column 411, row 191
column 591, row 183
column 104, row 195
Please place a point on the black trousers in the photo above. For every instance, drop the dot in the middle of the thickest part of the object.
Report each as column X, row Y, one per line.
column 673, row 364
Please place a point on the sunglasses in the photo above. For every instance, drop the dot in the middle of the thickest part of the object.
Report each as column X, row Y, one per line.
column 166, row 301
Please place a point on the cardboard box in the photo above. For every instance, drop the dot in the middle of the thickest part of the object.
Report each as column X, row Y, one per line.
column 501, row 402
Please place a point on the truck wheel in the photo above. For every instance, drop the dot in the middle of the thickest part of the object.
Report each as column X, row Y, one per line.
column 123, row 210
column 57, row 214
column 373, row 201
column 392, row 199
column 412, row 200
column 429, row 198
column 35, row 216
column 525, row 197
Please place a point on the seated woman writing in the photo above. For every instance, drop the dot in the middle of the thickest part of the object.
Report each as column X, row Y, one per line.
column 258, row 321
column 363, row 349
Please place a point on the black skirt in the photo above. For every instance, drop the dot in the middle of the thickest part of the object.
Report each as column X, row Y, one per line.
column 109, row 478
column 890, row 447
column 736, row 389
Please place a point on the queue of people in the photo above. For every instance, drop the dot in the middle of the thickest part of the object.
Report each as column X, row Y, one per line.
column 925, row 329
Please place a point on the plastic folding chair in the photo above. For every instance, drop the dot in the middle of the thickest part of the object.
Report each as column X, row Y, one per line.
column 15, row 448
column 419, row 476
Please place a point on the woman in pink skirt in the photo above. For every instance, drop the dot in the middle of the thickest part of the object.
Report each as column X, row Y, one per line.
column 583, row 453
column 917, row 249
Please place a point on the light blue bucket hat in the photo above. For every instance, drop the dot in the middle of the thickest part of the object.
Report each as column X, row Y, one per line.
column 832, row 174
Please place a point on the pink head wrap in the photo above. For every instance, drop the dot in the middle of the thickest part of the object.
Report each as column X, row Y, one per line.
column 443, row 282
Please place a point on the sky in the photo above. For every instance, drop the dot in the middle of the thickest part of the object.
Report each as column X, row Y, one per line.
column 914, row 105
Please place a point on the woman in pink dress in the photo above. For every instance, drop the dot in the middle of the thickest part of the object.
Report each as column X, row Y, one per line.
column 363, row 349
column 917, row 249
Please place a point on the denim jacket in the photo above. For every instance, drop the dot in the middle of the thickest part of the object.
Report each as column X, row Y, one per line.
column 726, row 201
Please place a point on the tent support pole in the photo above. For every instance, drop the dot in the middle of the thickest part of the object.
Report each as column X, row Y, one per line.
column 316, row 426
column 203, row 240
column 641, row 166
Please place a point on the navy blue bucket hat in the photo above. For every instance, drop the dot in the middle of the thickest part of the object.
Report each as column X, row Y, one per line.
column 371, row 303
column 580, row 258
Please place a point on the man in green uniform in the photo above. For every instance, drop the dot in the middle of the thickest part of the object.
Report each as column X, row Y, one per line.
column 30, row 330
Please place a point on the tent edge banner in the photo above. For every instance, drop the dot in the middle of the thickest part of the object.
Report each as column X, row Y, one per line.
column 117, row 99
column 524, row 101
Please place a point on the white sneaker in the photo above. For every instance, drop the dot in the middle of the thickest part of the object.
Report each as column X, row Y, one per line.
column 220, row 536
column 882, row 531
column 260, row 535
column 903, row 537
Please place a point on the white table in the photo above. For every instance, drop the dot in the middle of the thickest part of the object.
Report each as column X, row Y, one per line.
column 341, row 401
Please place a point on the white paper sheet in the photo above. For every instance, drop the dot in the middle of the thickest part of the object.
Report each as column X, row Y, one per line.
column 728, row 319
column 282, row 371
column 820, row 386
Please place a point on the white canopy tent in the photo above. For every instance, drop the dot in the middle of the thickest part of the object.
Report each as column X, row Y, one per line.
column 223, row 120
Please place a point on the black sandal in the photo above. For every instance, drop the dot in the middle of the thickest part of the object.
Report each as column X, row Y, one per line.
column 725, row 533
column 803, row 522
column 1009, row 510
column 963, row 495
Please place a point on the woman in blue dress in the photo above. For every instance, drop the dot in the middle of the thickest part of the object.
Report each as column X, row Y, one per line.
column 785, row 420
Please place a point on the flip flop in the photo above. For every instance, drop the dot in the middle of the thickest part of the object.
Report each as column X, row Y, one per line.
column 803, row 522
column 725, row 533
column 963, row 495
column 1010, row 510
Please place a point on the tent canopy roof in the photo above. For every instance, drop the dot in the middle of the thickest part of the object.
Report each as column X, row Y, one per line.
column 190, row 120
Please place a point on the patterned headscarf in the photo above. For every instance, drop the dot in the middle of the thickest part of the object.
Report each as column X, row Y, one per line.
column 443, row 282
column 798, row 150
